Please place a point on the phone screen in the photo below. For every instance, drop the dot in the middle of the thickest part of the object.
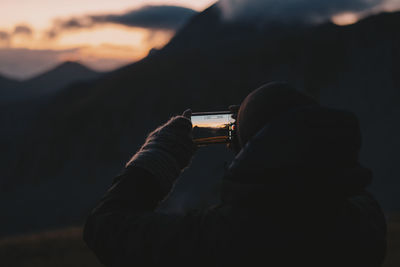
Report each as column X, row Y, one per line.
column 212, row 127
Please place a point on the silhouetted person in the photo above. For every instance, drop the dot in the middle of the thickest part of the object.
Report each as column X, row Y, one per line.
column 293, row 196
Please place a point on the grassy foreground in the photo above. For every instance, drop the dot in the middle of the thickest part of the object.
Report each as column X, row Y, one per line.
column 65, row 247
column 60, row 248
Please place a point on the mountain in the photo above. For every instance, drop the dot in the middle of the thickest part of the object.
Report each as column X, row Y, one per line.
column 62, row 75
column 83, row 136
column 48, row 82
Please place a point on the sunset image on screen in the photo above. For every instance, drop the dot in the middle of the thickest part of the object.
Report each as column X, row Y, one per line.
column 212, row 128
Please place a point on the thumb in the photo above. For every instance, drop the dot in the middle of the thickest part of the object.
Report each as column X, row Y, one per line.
column 187, row 113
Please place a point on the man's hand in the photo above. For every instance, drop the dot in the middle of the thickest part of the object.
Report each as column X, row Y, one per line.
column 167, row 150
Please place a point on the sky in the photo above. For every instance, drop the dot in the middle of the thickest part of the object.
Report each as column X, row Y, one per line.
column 36, row 35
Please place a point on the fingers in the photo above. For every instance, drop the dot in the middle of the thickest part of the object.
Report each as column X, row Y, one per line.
column 235, row 110
column 187, row 114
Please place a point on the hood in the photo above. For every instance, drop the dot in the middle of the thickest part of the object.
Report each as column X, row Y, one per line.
column 308, row 151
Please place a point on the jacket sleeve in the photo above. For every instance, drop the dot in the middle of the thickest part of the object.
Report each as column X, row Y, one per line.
column 124, row 229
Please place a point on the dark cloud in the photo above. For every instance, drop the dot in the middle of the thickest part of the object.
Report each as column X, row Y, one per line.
column 293, row 10
column 73, row 24
column 23, row 29
column 60, row 25
column 150, row 17
column 4, row 36
column 153, row 17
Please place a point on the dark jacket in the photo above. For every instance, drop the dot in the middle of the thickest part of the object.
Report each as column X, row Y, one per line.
column 292, row 197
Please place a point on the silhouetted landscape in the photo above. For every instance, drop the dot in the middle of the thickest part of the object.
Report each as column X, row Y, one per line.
column 66, row 133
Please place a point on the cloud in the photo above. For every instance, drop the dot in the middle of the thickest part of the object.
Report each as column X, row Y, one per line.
column 152, row 17
column 390, row 5
column 5, row 39
column 4, row 36
column 23, row 29
column 149, row 17
column 308, row 11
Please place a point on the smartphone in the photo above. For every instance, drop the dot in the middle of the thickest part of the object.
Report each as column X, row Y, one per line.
column 213, row 127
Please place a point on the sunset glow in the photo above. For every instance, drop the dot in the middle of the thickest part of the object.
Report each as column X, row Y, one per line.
column 345, row 19
column 26, row 24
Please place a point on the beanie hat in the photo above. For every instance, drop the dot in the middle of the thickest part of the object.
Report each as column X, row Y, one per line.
column 264, row 105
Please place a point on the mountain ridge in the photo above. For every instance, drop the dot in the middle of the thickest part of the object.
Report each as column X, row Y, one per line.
column 62, row 68
column 48, row 82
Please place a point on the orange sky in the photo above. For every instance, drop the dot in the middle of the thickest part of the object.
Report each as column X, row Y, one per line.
column 103, row 47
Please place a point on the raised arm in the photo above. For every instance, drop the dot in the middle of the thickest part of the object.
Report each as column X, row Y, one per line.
column 124, row 227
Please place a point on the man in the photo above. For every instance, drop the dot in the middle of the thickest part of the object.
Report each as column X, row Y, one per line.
column 293, row 196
